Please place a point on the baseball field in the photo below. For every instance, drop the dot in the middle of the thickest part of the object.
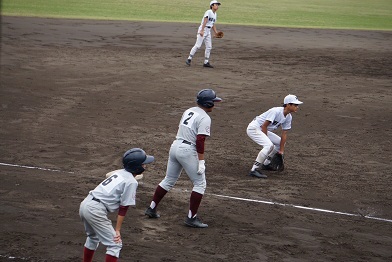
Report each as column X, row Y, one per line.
column 76, row 93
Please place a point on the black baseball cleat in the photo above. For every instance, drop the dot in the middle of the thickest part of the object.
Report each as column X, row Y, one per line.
column 188, row 62
column 151, row 213
column 195, row 222
column 208, row 65
column 257, row 174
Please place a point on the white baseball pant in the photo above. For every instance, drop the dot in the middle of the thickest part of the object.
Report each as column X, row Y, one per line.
column 183, row 156
column 199, row 41
column 270, row 143
column 98, row 227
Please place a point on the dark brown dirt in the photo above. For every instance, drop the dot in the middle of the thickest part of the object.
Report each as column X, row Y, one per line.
column 75, row 94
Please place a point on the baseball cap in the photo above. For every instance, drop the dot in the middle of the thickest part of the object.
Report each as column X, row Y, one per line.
column 214, row 2
column 291, row 99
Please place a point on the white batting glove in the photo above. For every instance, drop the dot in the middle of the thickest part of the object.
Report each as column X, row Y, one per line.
column 202, row 167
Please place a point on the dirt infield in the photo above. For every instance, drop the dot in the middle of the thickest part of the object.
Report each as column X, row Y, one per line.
column 76, row 94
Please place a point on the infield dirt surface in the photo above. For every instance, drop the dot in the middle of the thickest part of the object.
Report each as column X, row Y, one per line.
column 76, row 94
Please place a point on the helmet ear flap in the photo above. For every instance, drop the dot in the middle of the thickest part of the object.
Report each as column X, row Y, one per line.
column 136, row 170
column 208, row 104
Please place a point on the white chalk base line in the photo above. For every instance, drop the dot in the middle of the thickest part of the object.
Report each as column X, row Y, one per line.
column 237, row 198
column 302, row 207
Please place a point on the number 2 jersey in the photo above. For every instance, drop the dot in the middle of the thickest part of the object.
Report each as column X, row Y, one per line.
column 118, row 189
column 195, row 121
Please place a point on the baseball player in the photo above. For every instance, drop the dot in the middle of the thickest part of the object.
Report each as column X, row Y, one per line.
column 187, row 152
column 115, row 193
column 204, row 34
column 260, row 131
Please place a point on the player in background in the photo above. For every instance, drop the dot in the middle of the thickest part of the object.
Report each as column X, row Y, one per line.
column 116, row 193
column 187, row 152
column 204, row 34
column 260, row 131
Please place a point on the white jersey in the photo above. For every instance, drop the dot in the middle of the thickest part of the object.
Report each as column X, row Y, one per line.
column 276, row 117
column 118, row 189
column 194, row 121
column 212, row 17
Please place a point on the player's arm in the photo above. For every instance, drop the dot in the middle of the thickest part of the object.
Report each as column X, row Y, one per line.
column 283, row 140
column 264, row 127
column 200, row 139
column 122, row 211
column 214, row 28
column 203, row 26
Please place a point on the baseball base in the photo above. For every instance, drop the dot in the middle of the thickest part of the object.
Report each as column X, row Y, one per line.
column 137, row 177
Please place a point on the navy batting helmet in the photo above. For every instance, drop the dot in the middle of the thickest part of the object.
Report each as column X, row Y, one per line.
column 133, row 160
column 207, row 97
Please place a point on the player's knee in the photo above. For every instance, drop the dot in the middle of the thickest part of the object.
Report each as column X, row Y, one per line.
column 92, row 242
column 200, row 187
column 268, row 149
column 167, row 187
column 114, row 250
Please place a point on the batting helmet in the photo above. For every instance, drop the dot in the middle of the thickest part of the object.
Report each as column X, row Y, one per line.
column 207, row 97
column 133, row 160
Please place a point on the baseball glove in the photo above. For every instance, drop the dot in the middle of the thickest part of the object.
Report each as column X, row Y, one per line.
column 276, row 164
column 219, row 34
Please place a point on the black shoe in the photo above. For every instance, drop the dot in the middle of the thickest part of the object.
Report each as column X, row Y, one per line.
column 208, row 65
column 257, row 174
column 151, row 213
column 195, row 222
column 188, row 62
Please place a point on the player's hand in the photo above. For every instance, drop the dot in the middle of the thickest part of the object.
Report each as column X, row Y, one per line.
column 201, row 33
column 202, row 168
column 117, row 237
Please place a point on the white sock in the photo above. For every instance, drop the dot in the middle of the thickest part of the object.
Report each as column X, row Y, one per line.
column 255, row 166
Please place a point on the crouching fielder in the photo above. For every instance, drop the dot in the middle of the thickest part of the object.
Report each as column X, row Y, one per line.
column 115, row 193
column 260, row 131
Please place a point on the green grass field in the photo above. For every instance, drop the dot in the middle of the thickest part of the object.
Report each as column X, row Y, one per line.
column 350, row 14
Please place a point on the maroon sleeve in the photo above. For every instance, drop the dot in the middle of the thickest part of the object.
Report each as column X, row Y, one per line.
column 200, row 143
column 122, row 211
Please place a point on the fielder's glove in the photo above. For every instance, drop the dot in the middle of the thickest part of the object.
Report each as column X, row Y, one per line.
column 276, row 164
column 202, row 168
column 219, row 34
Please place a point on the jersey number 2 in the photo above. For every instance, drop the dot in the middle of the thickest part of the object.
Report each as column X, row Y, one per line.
column 186, row 120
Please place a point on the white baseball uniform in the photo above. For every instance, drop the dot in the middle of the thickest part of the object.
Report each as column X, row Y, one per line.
column 118, row 189
column 271, row 141
column 183, row 155
column 211, row 19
